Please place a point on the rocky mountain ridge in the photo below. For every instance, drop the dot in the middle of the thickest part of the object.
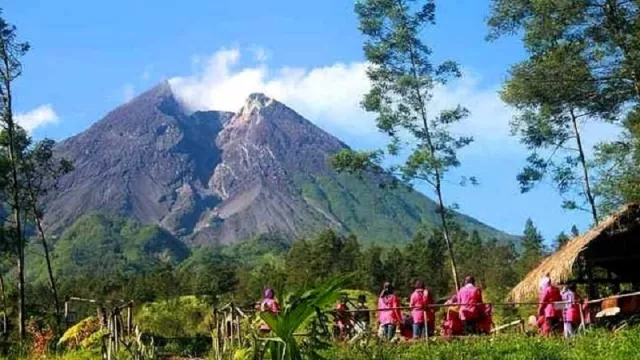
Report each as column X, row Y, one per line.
column 218, row 177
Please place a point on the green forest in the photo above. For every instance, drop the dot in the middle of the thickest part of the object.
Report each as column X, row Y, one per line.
column 582, row 65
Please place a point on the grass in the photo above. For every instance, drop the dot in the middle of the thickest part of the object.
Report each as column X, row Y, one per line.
column 596, row 344
column 593, row 345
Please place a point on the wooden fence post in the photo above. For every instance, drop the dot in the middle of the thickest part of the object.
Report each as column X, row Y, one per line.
column 66, row 314
column 129, row 318
column 426, row 327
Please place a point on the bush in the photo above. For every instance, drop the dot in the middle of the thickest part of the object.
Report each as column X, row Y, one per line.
column 186, row 316
column 81, row 333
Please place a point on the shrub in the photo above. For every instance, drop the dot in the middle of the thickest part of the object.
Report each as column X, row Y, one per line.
column 80, row 334
column 186, row 316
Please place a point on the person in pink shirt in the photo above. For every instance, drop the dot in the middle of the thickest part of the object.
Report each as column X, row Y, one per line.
column 549, row 294
column 471, row 310
column 419, row 302
column 388, row 314
column 269, row 304
column 452, row 325
column 571, row 311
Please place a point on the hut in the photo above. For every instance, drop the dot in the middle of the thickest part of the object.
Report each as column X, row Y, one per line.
column 605, row 257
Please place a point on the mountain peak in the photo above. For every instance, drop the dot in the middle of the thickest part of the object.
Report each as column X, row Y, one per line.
column 255, row 101
column 160, row 91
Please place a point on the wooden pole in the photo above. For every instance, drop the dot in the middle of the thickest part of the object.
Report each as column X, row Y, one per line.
column 231, row 323
column 109, row 338
column 238, row 329
column 582, row 324
column 116, row 334
column 66, row 314
column 426, row 326
column 129, row 318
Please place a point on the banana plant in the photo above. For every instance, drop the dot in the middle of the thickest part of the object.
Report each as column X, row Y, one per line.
column 298, row 309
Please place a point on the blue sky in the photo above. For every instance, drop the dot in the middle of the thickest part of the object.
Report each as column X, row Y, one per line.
column 88, row 57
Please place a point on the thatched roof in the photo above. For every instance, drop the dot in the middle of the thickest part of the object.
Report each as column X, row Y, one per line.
column 560, row 265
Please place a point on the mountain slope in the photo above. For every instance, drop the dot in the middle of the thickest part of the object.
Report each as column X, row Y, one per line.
column 105, row 245
column 215, row 177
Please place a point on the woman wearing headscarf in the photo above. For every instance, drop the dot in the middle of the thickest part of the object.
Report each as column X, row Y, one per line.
column 471, row 309
column 269, row 304
column 388, row 314
column 419, row 302
column 549, row 295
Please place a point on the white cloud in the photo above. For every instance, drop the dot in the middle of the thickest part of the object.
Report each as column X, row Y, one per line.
column 128, row 92
column 330, row 97
column 38, row 117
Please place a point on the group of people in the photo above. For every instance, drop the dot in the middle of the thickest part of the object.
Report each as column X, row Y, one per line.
column 559, row 311
column 465, row 313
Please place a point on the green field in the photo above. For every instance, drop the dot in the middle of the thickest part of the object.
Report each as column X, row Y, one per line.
column 593, row 345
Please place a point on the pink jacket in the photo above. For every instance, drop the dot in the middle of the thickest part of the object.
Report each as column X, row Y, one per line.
column 271, row 306
column 571, row 312
column 468, row 297
column 418, row 302
column 389, row 316
column 548, row 296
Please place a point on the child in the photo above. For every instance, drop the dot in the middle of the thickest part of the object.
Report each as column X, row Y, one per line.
column 407, row 328
column 571, row 311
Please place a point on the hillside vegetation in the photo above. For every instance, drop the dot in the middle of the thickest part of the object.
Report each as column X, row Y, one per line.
column 107, row 245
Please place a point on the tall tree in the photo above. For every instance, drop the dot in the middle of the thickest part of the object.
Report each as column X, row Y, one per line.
column 561, row 240
column 574, row 231
column 533, row 249
column 437, row 279
column 40, row 171
column 373, row 268
column 470, row 250
column 618, row 164
column 11, row 51
column 402, row 79
column 584, row 64
column 395, row 270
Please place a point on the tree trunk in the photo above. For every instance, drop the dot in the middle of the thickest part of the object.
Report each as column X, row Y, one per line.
column 47, row 258
column 438, row 182
column 447, row 238
column 585, row 171
column 15, row 196
column 4, row 305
